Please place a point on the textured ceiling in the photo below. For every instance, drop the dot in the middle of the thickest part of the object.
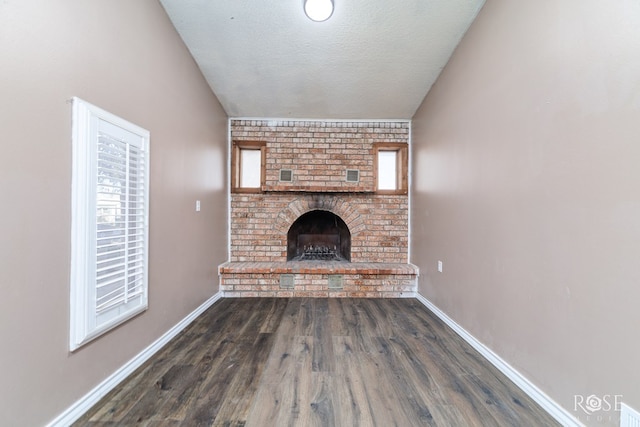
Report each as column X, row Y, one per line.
column 373, row 59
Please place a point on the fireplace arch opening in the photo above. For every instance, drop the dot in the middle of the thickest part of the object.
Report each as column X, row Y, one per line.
column 319, row 236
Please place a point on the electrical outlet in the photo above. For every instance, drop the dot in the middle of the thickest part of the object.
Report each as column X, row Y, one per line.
column 439, row 266
column 197, row 205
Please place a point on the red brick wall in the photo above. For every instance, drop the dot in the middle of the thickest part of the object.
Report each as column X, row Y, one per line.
column 319, row 153
column 315, row 285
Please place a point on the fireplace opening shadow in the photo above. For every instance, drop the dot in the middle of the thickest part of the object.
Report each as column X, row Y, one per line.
column 319, row 235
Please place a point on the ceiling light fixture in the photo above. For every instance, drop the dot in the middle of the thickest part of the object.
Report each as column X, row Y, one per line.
column 318, row 10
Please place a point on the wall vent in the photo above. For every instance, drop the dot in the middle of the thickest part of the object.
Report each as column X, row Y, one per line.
column 629, row 417
column 286, row 281
column 336, row 281
column 353, row 175
column 286, row 175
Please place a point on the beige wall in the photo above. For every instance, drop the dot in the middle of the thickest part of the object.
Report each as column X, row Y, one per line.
column 527, row 186
column 125, row 57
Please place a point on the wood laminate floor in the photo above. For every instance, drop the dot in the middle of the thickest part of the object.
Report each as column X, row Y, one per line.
column 317, row 362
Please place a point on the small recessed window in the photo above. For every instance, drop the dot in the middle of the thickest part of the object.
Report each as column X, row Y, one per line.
column 387, row 170
column 391, row 168
column 248, row 166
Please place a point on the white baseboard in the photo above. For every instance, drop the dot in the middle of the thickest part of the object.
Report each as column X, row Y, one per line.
column 75, row 411
column 561, row 415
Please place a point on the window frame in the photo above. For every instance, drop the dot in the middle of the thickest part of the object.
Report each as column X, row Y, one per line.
column 402, row 166
column 236, row 166
column 87, row 320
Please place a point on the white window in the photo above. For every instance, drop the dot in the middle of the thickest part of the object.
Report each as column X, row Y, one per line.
column 387, row 170
column 391, row 168
column 248, row 166
column 250, row 161
column 110, row 211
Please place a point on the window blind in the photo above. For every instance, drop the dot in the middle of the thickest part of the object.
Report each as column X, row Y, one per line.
column 120, row 225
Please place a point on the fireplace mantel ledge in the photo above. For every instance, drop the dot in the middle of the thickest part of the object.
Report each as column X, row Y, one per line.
column 316, row 189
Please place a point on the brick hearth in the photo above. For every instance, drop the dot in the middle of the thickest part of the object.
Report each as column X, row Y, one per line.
column 311, row 279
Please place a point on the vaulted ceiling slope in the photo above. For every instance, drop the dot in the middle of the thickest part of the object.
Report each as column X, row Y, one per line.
column 373, row 59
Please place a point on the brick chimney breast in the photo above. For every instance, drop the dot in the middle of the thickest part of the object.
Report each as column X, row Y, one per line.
column 319, row 154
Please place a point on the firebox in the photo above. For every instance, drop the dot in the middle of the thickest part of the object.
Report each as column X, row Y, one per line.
column 319, row 236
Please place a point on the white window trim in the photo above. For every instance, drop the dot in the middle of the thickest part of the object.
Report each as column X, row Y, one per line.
column 84, row 325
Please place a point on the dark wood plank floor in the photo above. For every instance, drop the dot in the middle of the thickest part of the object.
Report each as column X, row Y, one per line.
column 317, row 362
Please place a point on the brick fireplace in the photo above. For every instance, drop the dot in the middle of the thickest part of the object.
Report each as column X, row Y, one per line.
column 317, row 225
